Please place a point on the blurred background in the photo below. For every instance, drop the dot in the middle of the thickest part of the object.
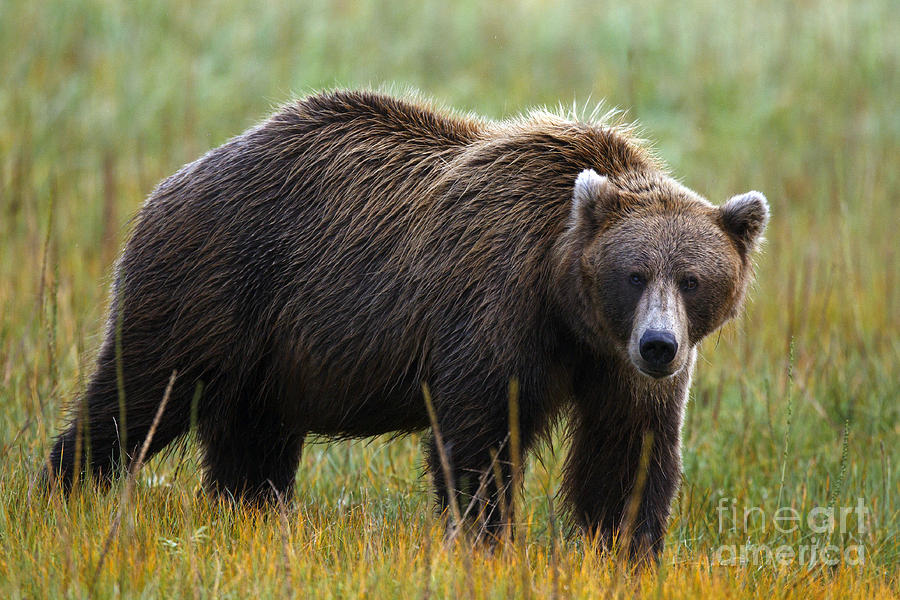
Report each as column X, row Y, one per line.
column 101, row 99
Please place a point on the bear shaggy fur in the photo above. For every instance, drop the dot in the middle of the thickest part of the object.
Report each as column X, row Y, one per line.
column 312, row 273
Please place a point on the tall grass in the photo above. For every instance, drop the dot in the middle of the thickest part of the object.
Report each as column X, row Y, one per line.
column 99, row 100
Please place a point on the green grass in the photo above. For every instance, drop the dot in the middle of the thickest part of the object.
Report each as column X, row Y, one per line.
column 99, row 100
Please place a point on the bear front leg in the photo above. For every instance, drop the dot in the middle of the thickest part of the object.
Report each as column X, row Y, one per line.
column 474, row 427
column 251, row 452
column 480, row 483
column 603, row 473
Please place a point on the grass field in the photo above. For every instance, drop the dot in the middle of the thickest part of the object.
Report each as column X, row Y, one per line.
column 99, row 100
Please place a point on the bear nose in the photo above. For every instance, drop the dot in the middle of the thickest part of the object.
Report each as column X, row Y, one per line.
column 658, row 347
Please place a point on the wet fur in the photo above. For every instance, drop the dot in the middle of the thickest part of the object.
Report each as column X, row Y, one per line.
column 313, row 271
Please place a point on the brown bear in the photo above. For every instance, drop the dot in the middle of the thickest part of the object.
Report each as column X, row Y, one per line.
column 313, row 272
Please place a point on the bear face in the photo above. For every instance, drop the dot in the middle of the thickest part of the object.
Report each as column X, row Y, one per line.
column 656, row 267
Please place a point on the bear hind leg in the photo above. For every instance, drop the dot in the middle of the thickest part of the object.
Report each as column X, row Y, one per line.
column 106, row 433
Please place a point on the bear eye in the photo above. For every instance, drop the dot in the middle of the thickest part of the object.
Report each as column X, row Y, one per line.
column 636, row 279
column 689, row 283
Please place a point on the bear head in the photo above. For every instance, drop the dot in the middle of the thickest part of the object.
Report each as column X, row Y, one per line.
column 650, row 268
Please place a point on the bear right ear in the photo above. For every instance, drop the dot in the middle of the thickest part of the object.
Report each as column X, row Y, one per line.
column 591, row 200
column 744, row 217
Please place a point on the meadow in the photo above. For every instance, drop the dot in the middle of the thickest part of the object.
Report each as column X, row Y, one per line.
column 794, row 406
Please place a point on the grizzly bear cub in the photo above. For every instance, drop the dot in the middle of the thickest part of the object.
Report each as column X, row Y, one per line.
column 312, row 273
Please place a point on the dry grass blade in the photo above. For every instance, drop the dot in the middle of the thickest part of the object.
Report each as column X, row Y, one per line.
column 451, row 490
column 501, row 487
column 129, row 482
column 632, row 509
column 445, row 464
column 515, row 449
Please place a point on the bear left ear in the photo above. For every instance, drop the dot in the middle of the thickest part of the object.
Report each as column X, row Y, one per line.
column 744, row 218
column 592, row 198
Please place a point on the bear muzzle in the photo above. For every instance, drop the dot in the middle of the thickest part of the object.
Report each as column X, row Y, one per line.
column 658, row 349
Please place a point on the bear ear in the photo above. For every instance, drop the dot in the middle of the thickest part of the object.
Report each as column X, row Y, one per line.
column 744, row 218
column 592, row 199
